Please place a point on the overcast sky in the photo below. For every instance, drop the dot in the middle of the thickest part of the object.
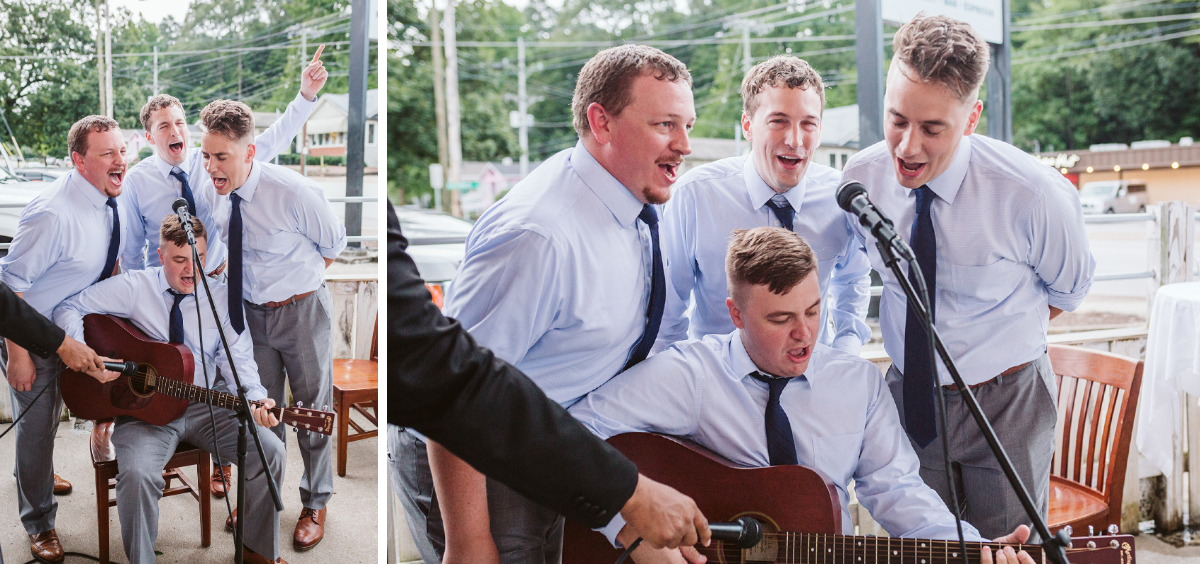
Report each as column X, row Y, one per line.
column 155, row 10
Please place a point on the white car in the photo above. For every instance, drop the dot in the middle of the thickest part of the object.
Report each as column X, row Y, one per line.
column 437, row 242
column 1114, row 196
column 15, row 193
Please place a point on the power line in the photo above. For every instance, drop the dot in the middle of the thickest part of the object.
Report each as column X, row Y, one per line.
column 1109, row 47
column 1106, row 23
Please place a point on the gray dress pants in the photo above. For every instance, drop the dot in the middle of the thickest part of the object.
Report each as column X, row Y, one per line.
column 524, row 532
column 35, row 445
column 1023, row 411
column 142, row 452
column 296, row 341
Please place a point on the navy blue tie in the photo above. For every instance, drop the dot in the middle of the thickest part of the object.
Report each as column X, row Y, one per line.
column 783, row 210
column 658, row 291
column 176, row 332
column 187, row 190
column 235, row 265
column 114, row 242
column 781, row 444
column 919, row 374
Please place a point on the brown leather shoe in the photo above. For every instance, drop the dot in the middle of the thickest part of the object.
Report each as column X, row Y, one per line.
column 231, row 520
column 61, row 486
column 310, row 529
column 220, row 481
column 251, row 557
column 45, row 547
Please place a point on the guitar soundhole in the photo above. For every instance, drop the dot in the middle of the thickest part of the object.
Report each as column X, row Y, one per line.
column 142, row 383
column 767, row 550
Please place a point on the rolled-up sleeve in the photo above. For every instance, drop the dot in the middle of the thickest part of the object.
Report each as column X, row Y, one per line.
column 1059, row 250
column 315, row 219
column 850, row 296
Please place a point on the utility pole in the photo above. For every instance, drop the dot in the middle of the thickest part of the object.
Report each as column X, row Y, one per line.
column 156, row 70
column 747, row 64
column 522, row 107
column 453, row 124
column 100, row 56
column 439, row 101
column 108, row 99
column 356, row 132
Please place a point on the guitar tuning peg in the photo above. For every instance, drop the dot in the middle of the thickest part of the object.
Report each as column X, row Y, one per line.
column 324, row 408
column 1069, row 530
column 299, row 403
column 1113, row 529
column 1091, row 531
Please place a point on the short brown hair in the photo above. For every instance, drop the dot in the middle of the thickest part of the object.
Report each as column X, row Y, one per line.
column 77, row 137
column 228, row 118
column 780, row 70
column 171, row 230
column 607, row 77
column 943, row 50
column 157, row 103
column 767, row 255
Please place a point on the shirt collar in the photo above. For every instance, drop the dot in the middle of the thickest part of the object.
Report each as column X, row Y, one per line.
column 619, row 200
column 164, row 167
column 90, row 193
column 761, row 193
column 946, row 185
column 246, row 192
column 741, row 364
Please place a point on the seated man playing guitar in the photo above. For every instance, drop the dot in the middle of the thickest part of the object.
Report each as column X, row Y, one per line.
column 163, row 303
column 823, row 408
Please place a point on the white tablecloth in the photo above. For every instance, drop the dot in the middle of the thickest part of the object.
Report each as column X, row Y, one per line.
column 1172, row 367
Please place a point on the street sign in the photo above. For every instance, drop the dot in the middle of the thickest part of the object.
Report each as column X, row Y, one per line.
column 462, row 185
column 436, row 178
column 986, row 16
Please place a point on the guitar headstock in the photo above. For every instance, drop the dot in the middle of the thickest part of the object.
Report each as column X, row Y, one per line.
column 308, row 419
column 1102, row 549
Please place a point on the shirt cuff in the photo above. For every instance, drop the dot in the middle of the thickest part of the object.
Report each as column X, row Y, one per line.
column 1068, row 301
column 848, row 344
column 612, row 529
column 303, row 103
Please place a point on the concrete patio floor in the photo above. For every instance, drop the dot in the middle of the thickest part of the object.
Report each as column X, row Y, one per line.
column 351, row 529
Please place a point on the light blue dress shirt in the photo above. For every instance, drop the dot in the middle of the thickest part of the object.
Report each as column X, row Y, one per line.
column 61, row 243
column 1010, row 243
column 713, row 200
column 843, row 419
column 289, row 229
column 150, row 190
column 142, row 297
column 556, row 276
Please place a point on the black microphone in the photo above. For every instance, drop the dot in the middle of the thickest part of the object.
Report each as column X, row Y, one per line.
column 127, row 368
column 185, row 218
column 852, row 197
column 743, row 533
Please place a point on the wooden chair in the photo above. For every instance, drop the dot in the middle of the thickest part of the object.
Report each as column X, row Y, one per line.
column 1097, row 398
column 356, row 386
column 104, row 460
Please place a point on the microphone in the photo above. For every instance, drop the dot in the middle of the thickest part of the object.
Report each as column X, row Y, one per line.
column 127, row 368
column 743, row 533
column 852, row 197
column 185, row 219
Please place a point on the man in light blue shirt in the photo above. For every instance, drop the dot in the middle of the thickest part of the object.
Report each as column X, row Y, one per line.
column 560, row 279
column 727, row 393
column 777, row 184
column 165, row 304
column 282, row 234
column 68, row 238
column 155, row 183
column 1001, row 242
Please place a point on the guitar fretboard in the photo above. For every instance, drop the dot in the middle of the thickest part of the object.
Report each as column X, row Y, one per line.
column 811, row 548
column 194, row 393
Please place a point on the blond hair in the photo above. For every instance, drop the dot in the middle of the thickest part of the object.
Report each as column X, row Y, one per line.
column 945, row 51
column 772, row 256
column 607, row 77
column 780, row 70
column 230, row 119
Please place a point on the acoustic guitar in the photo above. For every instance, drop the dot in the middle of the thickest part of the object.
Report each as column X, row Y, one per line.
column 800, row 513
column 162, row 387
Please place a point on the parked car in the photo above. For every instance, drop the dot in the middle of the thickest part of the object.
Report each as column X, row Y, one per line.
column 1114, row 196
column 437, row 242
column 15, row 192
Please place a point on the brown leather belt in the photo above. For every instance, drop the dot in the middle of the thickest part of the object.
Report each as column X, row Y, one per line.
column 290, row 300
column 954, row 388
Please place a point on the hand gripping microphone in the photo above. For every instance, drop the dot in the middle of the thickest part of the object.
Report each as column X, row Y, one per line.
column 185, row 219
column 743, row 533
column 852, row 197
column 127, row 368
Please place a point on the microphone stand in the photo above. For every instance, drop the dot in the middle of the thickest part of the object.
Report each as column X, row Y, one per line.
column 243, row 413
column 1054, row 547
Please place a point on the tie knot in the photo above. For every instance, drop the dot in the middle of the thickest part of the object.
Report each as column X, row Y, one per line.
column 779, row 202
column 925, row 198
column 181, row 175
column 112, row 203
column 648, row 215
column 178, row 296
column 775, row 384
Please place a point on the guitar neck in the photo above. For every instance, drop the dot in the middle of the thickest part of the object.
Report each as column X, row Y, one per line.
column 837, row 549
column 198, row 394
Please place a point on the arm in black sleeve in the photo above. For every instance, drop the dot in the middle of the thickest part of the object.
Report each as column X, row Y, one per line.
column 487, row 412
column 23, row 325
